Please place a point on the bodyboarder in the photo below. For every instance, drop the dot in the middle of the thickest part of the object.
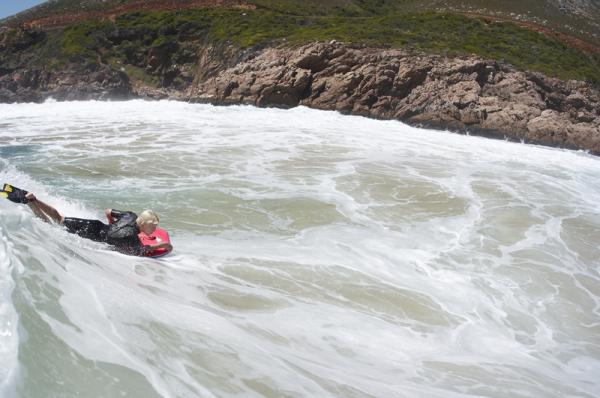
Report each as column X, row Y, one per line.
column 126, row 232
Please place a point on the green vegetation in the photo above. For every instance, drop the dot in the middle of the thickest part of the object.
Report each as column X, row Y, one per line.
column 137, row 74
column 443, row 33
column 77, row 41
column 575, row 18
column 132, row 36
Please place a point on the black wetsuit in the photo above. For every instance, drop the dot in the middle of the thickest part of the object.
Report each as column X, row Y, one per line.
column 122, row 234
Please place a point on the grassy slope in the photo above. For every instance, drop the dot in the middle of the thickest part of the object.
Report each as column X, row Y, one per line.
column 390, row 23
column 584, row 24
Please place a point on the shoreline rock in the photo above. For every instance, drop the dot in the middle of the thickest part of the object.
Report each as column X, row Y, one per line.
column 468, row 94
column 463, row 94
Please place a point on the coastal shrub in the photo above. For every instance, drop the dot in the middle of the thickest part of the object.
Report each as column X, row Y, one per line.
column 442, row 33
column 83, row 39
column 76, row 40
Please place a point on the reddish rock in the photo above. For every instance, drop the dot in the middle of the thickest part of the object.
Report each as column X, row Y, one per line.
column 465, row 94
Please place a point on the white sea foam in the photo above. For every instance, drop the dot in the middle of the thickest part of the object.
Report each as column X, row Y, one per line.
column 9, row 339
column 316, row 255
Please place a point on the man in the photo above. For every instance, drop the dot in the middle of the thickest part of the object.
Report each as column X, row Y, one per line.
column 125, row 231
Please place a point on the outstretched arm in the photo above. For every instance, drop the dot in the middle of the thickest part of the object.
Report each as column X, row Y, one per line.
column 44, row 210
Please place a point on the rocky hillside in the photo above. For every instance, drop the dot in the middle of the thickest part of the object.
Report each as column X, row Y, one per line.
column 458, row 71
column 467, row 94
column 579, row 18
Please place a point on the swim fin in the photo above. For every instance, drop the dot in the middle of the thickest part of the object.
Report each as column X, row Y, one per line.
column 14, row 194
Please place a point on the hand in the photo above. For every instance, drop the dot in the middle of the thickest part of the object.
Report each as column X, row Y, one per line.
column 148, row 248
column 163, row 245
column 109, row 217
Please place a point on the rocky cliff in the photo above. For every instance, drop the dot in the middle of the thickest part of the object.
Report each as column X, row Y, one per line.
column 466, row 94
column 195, row 57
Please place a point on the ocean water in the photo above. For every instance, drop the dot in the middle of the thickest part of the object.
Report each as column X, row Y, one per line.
column 316, row 255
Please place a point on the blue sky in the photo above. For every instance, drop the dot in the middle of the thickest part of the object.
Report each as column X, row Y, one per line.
column 11, row 7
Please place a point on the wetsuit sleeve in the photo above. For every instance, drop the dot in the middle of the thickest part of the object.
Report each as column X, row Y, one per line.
column 118, row 214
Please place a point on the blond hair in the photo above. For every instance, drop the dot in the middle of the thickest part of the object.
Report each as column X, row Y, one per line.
column 147, row 217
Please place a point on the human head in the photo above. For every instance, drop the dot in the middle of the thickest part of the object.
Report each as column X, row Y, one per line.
column 147, row 221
